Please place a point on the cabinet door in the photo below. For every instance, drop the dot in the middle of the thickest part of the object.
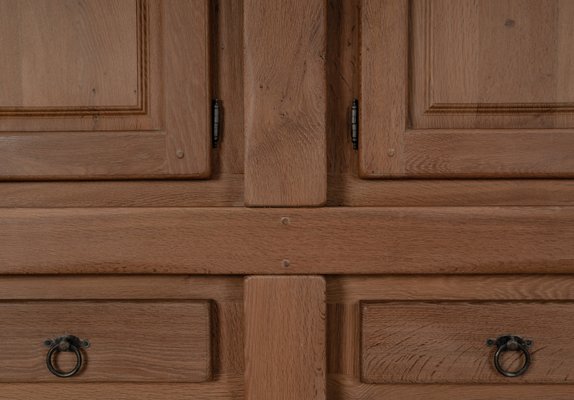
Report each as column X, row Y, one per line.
column 467, row 88
column 104, row 89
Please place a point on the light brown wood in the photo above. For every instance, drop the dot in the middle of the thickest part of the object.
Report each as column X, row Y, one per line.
column 344, row 329
column 445, row 342
column 91, row 391
column 288, row 241
column 221, row 289
column 489, row 153
column 349, row 190
column 226, row 294
column 285, row 338
column 343, row 43
column 105, row 95
column 59, row 54
column 144, row 341
column 225, row 188
column 345, row 188
column 285, row 102
column 384, row 86
column 495, row 65
column 353, row 289
column 227, row 66
column 340, row 390
column 477, row 108
column 187, row 99
column 158, row 241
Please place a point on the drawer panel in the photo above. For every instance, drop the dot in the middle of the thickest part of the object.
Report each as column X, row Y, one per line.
column 130, row 341
column 446, row 342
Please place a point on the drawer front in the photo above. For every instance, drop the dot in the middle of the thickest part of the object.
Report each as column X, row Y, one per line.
column 446, row 342
column 130, row 341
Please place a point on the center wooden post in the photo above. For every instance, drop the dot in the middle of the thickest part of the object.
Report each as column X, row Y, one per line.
column 285, row 349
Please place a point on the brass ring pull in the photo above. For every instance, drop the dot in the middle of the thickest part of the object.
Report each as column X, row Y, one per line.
column 511, row 343
column 70, row 344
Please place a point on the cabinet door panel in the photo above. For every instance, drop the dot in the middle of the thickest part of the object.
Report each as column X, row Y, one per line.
column 63, row 55
column 104, row 89
column 465, row 88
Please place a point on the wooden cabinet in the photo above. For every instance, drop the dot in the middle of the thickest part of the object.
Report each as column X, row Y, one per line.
column 347, row 288
column 104, row 89
column 467, row 89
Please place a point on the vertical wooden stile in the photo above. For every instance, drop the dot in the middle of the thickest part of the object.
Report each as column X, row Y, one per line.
column 285, row 345
column 285, row 102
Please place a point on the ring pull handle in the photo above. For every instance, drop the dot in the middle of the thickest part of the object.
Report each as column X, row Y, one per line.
column 511, row 343
column 70, row 344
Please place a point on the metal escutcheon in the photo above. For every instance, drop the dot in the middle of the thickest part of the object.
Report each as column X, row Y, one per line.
column 68, row 343
column 511, row 343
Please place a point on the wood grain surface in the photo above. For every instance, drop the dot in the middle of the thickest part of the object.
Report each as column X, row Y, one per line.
column 345, row 188
column 226, row 190
column 348, row 190
column 288, row 241
column 340, row 390
column 468, row 105
column 143, row 341
column 489, row 154
column 285, row 102
column 500, row 65
column 186, row 54
column 285, row 349
column 226, row 294
column 353, row 289
column 123, row 391
column 56, row 52
column 445, row 342
column 129, row 108
column 384, row 86
column 344, row 294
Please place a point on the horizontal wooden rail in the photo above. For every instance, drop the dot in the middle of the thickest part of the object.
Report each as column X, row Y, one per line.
column 288, row 241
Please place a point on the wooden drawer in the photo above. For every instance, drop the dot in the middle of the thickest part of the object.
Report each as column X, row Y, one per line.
column 425, row 337
column 446, row 342
column 130, row 341
column 175, row 337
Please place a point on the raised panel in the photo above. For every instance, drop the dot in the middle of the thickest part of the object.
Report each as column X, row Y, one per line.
column 467, row 89
column 104, row 89
column 81, row 65
column 495, row 64
column 65, row 55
